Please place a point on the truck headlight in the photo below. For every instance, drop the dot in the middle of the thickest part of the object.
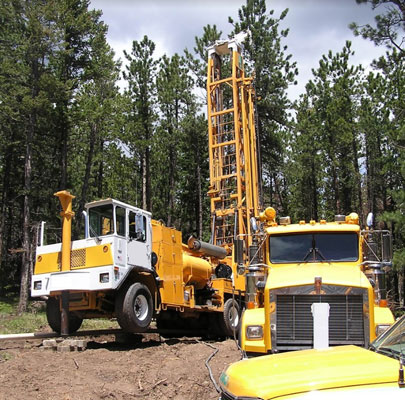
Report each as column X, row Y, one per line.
column 381, row 328
column 254, row 332
column 224, row 378
column 105, row 277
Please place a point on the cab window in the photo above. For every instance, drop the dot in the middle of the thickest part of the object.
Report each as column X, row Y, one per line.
column 101, row 220
column 137, row 227
column 120, row 216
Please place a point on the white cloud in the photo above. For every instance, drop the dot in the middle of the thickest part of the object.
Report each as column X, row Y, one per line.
column 315, row 27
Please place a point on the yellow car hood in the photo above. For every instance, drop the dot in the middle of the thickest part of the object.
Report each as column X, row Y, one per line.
column 284, row 374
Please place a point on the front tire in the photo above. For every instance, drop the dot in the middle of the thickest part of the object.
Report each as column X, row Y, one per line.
column 134, row 308
column 54, row 318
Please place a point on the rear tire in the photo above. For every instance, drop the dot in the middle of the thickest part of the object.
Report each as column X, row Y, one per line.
column 229, row 320
column 54, row 318
column 134, row 308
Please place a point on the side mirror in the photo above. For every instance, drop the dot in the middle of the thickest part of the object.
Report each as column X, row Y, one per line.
column 370, row 219
column 238, row 251
column 253, row 224
column 386, row 247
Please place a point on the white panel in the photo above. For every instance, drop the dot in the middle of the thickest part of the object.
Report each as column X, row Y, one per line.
column 320, row 313
column 70, row 281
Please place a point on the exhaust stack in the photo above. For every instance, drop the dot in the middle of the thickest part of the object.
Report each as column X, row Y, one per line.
column 65, row 199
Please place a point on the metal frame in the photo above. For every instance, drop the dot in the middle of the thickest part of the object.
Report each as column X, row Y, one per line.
column 234, row 179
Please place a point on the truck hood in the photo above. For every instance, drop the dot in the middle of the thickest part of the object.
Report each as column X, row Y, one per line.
column 304, row 274
column 303, row 371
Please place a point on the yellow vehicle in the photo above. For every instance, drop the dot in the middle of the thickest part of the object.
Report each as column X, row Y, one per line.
column 315, row 284
column 287, row 267
column 348, row 372
column 133, row 268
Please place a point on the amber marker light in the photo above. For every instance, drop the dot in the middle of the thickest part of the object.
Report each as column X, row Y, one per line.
column 318, row 284
column 250, row 305
column 39, row 258
column 105, row 249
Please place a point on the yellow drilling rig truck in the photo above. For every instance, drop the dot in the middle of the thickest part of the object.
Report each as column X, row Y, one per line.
column 134, row 268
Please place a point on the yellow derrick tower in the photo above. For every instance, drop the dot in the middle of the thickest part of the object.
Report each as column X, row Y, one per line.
column 234, row 176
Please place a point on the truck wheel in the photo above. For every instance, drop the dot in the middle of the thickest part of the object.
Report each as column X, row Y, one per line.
column 54, row 320
column 229, row 320
column 134, row 308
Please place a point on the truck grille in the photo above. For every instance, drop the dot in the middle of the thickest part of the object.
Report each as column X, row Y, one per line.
column 77, row 259
column 295, row 321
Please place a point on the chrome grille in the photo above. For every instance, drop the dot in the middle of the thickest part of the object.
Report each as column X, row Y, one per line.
column 295, row 321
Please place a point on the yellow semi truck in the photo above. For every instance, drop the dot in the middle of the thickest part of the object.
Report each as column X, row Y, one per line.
column 315, row 284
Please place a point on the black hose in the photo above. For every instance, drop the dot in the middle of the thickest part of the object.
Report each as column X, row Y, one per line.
column 208, row 365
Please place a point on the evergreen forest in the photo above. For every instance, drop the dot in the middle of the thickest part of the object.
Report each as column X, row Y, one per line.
column 66, row 124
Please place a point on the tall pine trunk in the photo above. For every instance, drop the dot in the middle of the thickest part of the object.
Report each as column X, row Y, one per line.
column 100, row 188
column 4, row 198
column 86, row 178
column 401, row 282
column 172, row 166
column 27, row 253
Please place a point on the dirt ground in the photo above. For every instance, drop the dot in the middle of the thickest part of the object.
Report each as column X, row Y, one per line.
column 150, row 368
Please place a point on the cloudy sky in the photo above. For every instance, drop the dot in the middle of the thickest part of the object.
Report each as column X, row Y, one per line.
column 316, row 26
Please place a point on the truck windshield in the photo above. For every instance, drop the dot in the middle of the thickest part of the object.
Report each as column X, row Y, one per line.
column 101, row 220
column 314, row 247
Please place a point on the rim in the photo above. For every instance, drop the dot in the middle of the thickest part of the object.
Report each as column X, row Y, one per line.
column 234, row 317
column 141, row 307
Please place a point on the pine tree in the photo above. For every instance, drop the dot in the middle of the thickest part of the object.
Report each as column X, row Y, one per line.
column 97, row 120
column 327, row 117
column 274, row 72
column 304, row 164
column 171, row 93
column 389, row 32
column 198, row 62
column 141, row 78
column 389, row 28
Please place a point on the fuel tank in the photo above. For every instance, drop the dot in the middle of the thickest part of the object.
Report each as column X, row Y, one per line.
column 196, row 271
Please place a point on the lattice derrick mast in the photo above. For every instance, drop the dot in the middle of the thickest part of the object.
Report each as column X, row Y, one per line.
column 232, row 147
